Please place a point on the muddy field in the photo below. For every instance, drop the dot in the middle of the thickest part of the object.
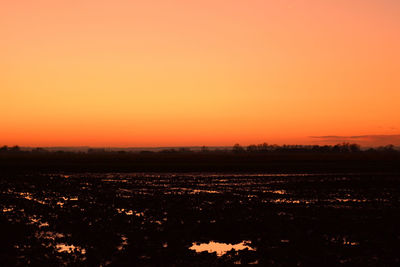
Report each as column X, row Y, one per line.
column 199, row 219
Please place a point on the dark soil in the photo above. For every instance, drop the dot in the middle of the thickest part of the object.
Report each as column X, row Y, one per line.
column 153, row 219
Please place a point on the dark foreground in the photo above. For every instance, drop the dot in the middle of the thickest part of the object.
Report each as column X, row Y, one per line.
column 228, row 162
column 155, row 219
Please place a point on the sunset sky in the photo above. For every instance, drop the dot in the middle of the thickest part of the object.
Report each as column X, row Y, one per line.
column 210, row 72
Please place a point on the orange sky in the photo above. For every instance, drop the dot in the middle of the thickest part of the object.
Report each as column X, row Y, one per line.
column 210, row 72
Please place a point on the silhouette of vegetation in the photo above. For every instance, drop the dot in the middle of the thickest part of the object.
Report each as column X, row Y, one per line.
column 237, row 148
column 262, row 157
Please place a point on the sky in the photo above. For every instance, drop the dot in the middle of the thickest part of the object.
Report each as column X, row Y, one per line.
column 211, row 72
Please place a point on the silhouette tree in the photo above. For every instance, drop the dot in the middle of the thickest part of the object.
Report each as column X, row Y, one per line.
column 204, row 149
column 355, row 148
column 237, row 148
column 252, row 148
column 15, row 149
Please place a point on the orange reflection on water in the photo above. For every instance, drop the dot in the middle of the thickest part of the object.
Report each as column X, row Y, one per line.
column 220, row 248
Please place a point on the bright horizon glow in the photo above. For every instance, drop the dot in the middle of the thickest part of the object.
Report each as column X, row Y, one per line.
column 189, row 73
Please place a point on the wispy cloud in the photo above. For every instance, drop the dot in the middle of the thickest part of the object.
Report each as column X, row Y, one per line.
column 374, row 140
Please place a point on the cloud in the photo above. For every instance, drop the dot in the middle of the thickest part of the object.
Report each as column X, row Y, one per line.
column 371, row 140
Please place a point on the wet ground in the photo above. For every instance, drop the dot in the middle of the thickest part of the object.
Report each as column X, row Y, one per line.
column 200, row 219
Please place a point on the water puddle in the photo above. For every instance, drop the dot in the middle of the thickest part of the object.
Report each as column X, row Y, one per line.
column 277, row 192
column 220, row 248
column 123, row 244
column 198, row 191
column 288, row 201
column 29, row 196
column 69, row 248
column 346, row 241
column 7, row 210
column 49, row 235
column 130, row 212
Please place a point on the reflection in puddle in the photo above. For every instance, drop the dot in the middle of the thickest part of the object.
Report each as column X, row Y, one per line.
column 37, row 221
column 45, row 224
column 115, row 180
column 49, row 235
column 197, row 191
column 69, row 248
column 130, row 212
column 70, row 198
column 220, row 248
column 239, row 262
column 124, row 242
column 7, row 209
column 65, row 199
column 345, row 241
column 278, row 192
column 348, row 200
column 350, row 243
column 55, row 213
column 288, row 201
column 29, row 196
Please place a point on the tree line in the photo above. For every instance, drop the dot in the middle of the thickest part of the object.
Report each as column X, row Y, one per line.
column 237, row 148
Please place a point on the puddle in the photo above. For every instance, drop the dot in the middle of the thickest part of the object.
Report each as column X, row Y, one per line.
column 350, row 243
column 49, row 235
column 29, row 196
column 288, row 201
column 123, row 244
column 69, row 248
column 220, row 248
column 37, row 221
column 345, row 241
column 7, row 210
column 239, row 262
column 198, row 191
column 115, row 180
column 348, row 200
column 277, row 192
column 129, row 212
column 44, row 224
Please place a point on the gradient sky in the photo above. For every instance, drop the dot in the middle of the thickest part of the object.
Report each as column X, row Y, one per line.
column 210, row 72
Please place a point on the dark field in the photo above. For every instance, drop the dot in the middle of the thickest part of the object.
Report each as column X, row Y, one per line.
column 154, row 219
column 227, row 162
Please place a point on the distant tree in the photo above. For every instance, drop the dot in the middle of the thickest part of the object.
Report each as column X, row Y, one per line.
column 355, row 148
column 343, row 147
column 389, row 148
column 15, row 149
column 204, row 149
column 262, row 147
column 252, row 148
column 96, row 150
column 184, row 150
column 171, row 150
column 39, row 150
column 237, row 148
column 326, row 148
